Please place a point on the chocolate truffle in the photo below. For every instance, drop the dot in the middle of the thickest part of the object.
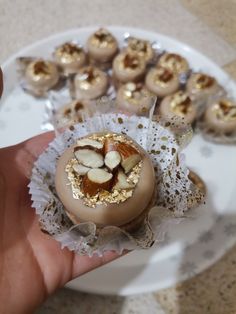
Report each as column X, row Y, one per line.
column 102, row 46
column 220, row 116
column 70, row 57
column 72, row 113
column 162, row 81
column 42, row 75
column 128, row 67
column 105, row 178
column 134, row 98
column 90, row 83
column 200, row 86
column 174, row 62
column 142, row 47
column 178, row 104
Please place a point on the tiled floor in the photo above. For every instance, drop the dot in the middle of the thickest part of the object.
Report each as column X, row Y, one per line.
column 220, row 15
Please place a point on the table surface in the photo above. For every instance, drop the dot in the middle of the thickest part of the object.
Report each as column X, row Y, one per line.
column 207, row 25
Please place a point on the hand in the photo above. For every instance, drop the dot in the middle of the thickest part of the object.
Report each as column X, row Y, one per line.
column 32, row 264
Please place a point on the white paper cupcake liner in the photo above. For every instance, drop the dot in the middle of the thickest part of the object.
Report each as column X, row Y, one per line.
column 176, row 193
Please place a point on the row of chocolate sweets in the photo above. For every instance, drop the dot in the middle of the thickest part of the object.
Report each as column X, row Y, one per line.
column 137, row 72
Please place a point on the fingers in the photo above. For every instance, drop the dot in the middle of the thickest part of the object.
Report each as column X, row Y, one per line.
column 37, row 144
column 1, row 82
column 27, row 152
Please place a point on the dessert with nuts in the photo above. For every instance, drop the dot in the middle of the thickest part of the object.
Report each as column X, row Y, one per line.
column 73, row 112
column 134, row 98
column 174, row 62
column 220, row 116
column 70, row 57
column 128, row 67
column 42, row 75
column 162, row 81
column 102, row 46
column 106, row 178
column 180, row 105
column 142, row 47
column 90, row 83
column 200, row 86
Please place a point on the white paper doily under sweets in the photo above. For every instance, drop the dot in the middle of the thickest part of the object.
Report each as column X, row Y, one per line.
column 176, row 193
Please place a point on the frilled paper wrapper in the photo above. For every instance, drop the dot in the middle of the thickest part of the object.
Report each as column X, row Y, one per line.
column 176, row 192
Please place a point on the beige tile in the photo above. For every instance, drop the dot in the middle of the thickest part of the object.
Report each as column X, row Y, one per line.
column 211, row 292
column 231, row 69
column 22, row 23
column 220, row 15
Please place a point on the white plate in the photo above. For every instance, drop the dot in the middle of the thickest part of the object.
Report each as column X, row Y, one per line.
column 189, row 247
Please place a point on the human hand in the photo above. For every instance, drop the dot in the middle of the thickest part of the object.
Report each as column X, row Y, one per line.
column 32, row 264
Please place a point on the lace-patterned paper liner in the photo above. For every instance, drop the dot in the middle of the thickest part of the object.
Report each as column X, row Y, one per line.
column 22, row 63
column 82, row 238
column 56, row 101
column 171, row 173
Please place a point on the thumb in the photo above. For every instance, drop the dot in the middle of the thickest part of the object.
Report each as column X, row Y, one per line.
column 27, row 152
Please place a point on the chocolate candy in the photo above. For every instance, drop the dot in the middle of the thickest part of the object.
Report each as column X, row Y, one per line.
column 102, row 46
column 142, row 47
column 162, row 81
column 178, row 104
column 220, row 116
column 42, row 75
column 200, row 86
column 70, row 57
column 174, row 62
column 128, row 67
column 105, row 178
column 90, row 83
column 134, row 98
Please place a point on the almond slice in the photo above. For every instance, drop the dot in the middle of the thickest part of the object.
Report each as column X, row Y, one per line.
column 130, row 156
column 121, row 182
column 112, row 160
column 80, row 169
column 89, row 144
column 109, row 145
column 96, row 180
column 89, row 158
